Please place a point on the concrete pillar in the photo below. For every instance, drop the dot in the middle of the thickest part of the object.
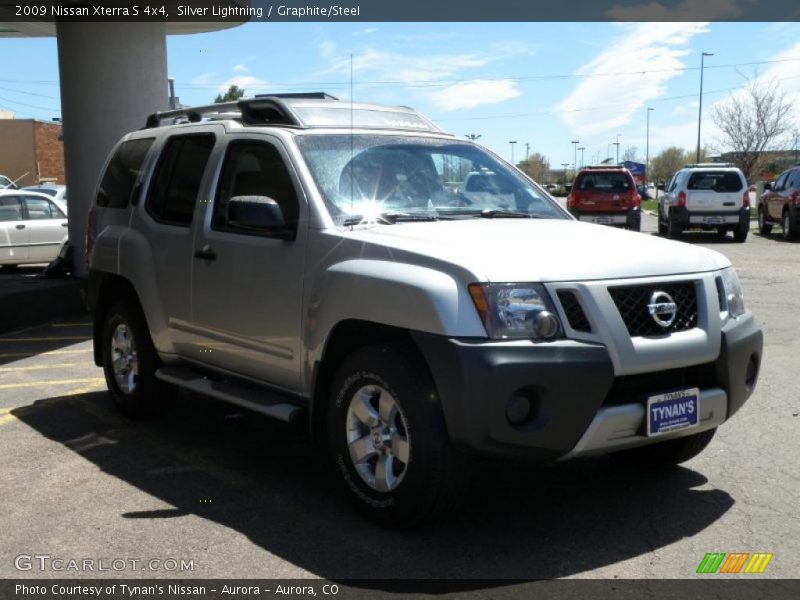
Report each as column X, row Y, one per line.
column 112, row 76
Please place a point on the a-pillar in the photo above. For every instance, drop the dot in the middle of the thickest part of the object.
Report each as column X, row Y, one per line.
column 112, row 76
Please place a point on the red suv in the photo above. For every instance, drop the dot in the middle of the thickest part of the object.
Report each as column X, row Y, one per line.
column 781, row 204
column 606, row 195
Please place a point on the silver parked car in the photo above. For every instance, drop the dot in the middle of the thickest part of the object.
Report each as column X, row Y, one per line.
column 33, row 228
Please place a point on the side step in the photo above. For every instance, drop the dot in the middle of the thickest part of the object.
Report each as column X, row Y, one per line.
column 259, row 399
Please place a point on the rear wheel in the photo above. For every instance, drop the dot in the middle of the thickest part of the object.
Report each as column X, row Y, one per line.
column 673, row 228
column 741, row 231
column 764, row 228
column 789, row 229
column 668, row 453
column 388, row 440
column 130, row 362
column 634, row 222
column 662, row 226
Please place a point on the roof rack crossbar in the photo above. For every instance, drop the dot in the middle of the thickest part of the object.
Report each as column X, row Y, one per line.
column 262, row 109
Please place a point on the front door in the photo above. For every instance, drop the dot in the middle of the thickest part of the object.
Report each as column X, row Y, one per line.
column 247, row 285
column 47, row 226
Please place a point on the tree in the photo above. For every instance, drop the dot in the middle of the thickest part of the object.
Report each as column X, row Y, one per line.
column 536, row 166
column 664, row 164
column 630, row 153
column 753, row 121
column 234, row 93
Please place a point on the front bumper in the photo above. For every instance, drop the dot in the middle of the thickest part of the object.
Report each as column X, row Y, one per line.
column 573, row 392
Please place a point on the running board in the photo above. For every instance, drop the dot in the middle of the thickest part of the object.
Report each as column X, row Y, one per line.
column 253, row 397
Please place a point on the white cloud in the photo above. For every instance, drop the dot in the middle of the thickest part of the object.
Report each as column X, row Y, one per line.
column 240, row 69
column 470, row 94
column 204, row 79
column 658, row 49
column 249, row 83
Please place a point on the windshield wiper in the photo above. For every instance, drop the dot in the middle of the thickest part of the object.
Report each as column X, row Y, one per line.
column 390, row 218
column 498, row 213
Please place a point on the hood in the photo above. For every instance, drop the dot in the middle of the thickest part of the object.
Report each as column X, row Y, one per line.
column 507, row 250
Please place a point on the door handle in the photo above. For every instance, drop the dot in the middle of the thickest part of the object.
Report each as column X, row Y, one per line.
column 20, row 226
column 206, row 253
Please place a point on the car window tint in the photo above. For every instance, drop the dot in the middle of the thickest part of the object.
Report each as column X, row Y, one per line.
column 254, row 169
column 715, row 181
column 38, row 208
column 56, row 212
column 604, row 182
column 177, row 180
column 10, row 208
column 793, row 181
column 121, row 174
column 780, row 182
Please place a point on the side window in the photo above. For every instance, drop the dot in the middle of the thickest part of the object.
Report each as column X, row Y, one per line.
column 793, row 182
column 173, row 193
column 780, row 182
column 56, row 212
column 254, row 169
column 38, row 208
column 673, row 184
column 10, row 208
column 121, row 174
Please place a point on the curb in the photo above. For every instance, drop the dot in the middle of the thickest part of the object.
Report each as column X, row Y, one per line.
column 29, row 301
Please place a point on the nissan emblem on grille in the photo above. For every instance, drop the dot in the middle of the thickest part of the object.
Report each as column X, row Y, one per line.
column 662, row 308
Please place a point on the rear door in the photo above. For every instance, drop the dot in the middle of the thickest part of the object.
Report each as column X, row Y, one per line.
column 775, row 198
column 599, row 191
column 47, row 226
column 714, row 191
column 14, row 232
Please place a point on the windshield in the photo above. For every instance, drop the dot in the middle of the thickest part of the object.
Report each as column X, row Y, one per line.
column 364, row 175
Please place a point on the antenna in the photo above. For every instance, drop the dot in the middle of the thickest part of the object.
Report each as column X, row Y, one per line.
column 352, row 151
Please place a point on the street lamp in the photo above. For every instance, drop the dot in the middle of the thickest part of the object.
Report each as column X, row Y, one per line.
column 512, row 142
column 565, row 165
column 582, row 148
column 617, row 145
column 473, row 136
column 575, row 153
column 647, row 149
column 700, row 108
column 527, row 151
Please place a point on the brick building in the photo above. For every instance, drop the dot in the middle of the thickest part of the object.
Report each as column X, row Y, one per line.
column 31, row 151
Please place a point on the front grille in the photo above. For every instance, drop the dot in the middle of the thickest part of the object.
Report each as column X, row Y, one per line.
column 632, row 301
column 572, row 308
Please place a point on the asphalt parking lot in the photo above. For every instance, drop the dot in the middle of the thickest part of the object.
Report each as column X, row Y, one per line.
column 241, row 496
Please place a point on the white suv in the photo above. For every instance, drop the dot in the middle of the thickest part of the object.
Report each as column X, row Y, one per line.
column 706, row 196
column 322, row 263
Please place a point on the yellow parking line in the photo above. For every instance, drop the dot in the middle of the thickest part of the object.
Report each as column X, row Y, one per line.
column 39, row 367
column 29, row 384
column 7, row 419
column 48, row 353
column 46, row 339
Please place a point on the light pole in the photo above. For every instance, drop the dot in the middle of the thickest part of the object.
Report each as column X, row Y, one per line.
column 700, row 108
column 473, row 136
column 617, row 145
column 647, row 149
column 527, row 151
column 575, row 153
column 582, row 148
column 565, row 165
column 512, row 142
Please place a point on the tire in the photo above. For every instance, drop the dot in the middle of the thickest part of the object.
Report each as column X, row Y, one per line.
column 662, row 226
column 427, row 477
column 13, row 267
column 673, row 229
column 635, row 223
column 764, row 228
column 134, row 388
column 789, row 228
column 667, row 453
column 740, row 233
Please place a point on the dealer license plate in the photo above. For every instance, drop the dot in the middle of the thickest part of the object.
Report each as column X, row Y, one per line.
column 672, row 411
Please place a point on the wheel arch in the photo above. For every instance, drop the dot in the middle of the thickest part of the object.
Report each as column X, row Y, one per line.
column 104, row 290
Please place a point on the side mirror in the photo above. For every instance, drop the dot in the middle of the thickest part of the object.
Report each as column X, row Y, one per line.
column 258, row 214
column 767, row 187
column 661, row 186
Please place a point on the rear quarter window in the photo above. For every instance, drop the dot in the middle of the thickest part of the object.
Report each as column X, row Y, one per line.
column 715, row 181
column 122, row 172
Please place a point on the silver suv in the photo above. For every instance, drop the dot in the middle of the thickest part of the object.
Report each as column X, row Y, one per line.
column 708, row 196
column 321, row 263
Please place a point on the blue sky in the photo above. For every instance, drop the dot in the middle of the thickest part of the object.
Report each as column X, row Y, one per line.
column 542, row 84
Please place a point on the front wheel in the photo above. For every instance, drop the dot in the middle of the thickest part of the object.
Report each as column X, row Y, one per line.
column 668, row 453
column 130, row 362
column 388, row 440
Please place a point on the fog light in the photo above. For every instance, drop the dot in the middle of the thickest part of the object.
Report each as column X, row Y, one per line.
column 518, row 409
column 546, row 324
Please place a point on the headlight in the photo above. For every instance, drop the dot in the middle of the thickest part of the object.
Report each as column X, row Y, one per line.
column 515, row 311
column 731, row 296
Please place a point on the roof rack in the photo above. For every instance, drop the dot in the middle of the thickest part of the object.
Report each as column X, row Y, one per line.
column 264, row 109
column 712, row 165
column 606, row 167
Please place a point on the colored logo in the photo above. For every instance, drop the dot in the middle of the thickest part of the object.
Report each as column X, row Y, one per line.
column 737, row 562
